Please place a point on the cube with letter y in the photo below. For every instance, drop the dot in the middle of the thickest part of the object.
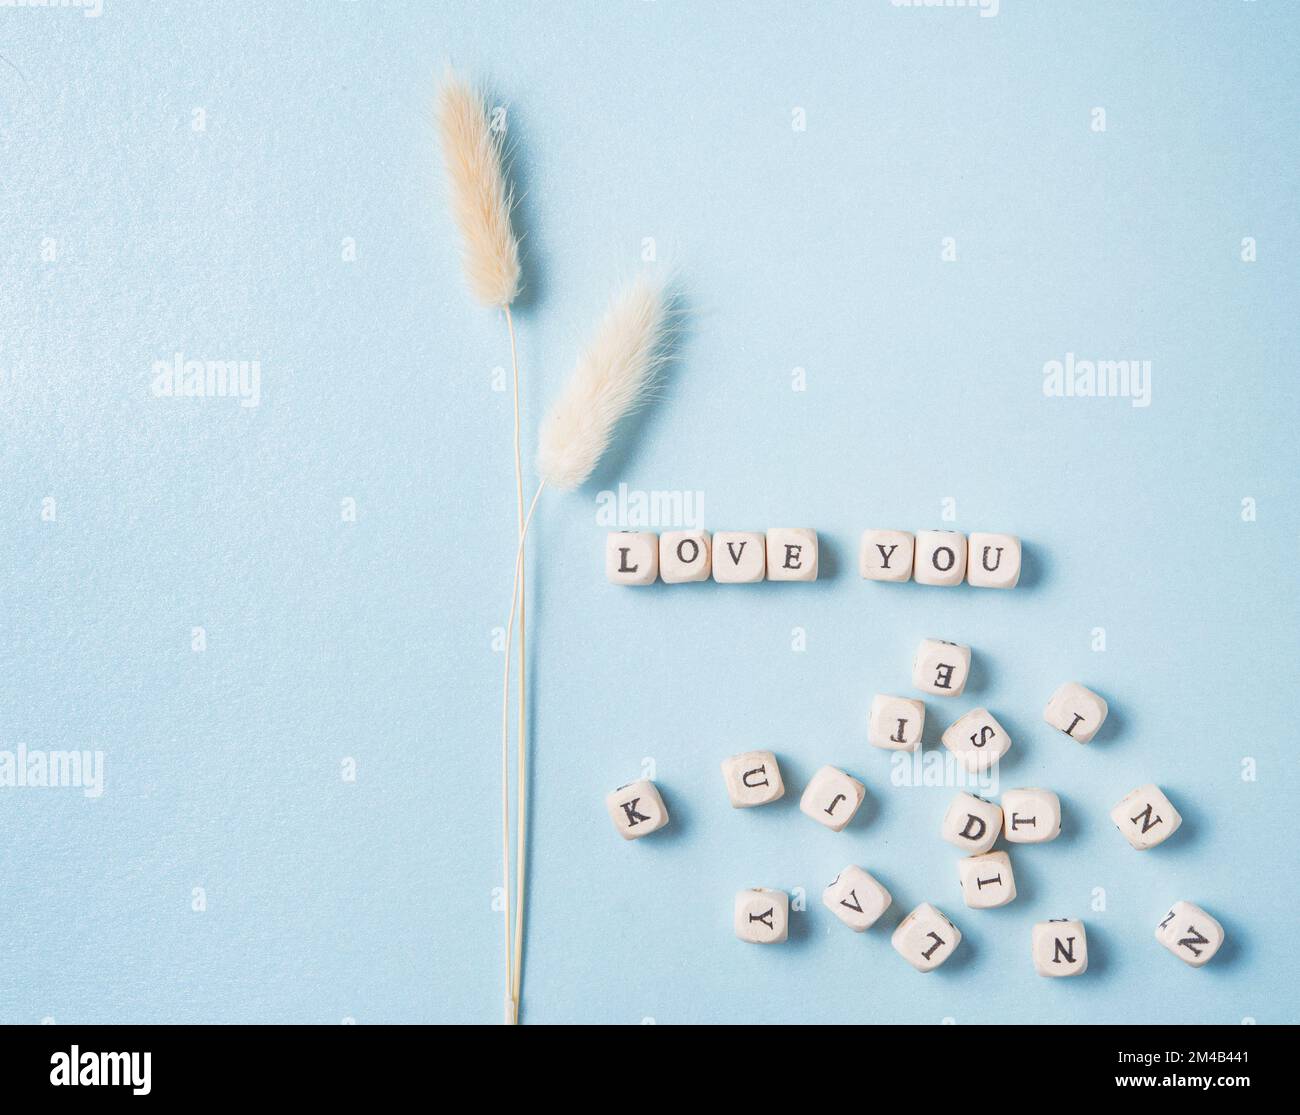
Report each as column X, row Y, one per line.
column 762, row 916
column 886, row 555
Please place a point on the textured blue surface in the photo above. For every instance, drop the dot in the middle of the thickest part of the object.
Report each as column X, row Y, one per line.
column 128, row 236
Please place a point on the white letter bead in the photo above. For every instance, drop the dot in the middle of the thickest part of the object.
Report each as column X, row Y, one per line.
column 1190, row 933
column 791, row 554
column 856, row 899
column 1060, row 948
column 1146, row 817
column 762, row 915
column 941, row 668
column 940, row 557
column 1076, row 711
column 631, row 557
column 684, row 555
column 637, row 809
column 977, row 740
column 925, row 938
column 886, row 555
column 994, row 561
column 972, row 823
column 832, row 797
column 896, row 723
column 739, row 557
column 752, row 778
column 986, row 881
column 1032, row 816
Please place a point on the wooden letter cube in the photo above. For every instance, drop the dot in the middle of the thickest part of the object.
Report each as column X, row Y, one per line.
column 986, row 881
column 739, row 557
column 886, row 555
column 1032, row 816
column 752, row 778
column 631, row 557
column 791, row 554
column 994, row 561
column 832, row 797
column 1076, row 711
column 972, row 823
column 762, row 915
column 940, row 557
column 1060, row 948
column 1190, row 933
column 637, row 809
column 925, row 938
column 896, row 723
column 941, row 668
column 1146, row 817
column 684, row 555
column 856, row 899
column 977, row 740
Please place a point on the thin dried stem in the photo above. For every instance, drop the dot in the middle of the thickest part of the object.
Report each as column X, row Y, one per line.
column 521, row 775
column 512, row 986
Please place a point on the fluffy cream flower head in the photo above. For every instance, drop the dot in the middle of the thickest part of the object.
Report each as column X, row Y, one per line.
column 610, row 378
column 480, row 199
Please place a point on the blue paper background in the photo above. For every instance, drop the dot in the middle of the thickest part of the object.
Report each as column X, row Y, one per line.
column 818, row 249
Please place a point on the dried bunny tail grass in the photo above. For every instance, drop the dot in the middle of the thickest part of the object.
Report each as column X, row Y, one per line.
column 480, row 199
column 611, row 377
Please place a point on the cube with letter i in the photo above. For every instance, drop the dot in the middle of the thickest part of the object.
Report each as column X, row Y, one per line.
column 925, row 938
column 972, row 823
column 1060, row 948
column 1076, row 711
column 1190, row 933
column 752, row 779
column 762, row 916
column 886, row 555
column 895, row 723
column 631, row 557
column 986, row 881
column 1146, row 817
column 636, row 809
column 832, row 798
column 791, row 554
